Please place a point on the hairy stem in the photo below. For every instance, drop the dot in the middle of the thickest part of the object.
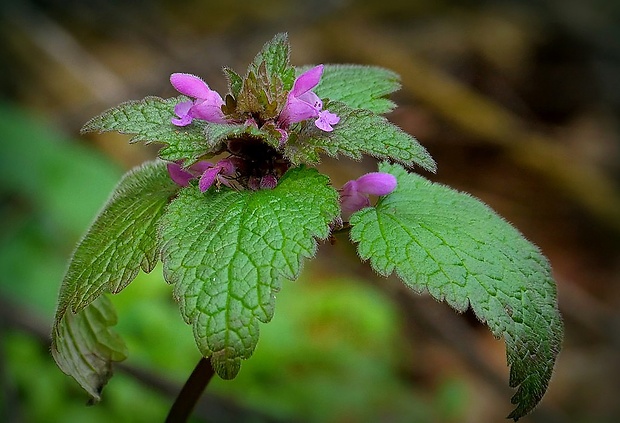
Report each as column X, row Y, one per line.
column 191, row 392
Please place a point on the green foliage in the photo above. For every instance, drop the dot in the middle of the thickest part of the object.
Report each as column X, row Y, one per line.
column 84, row 346
column 121, row 241
column 359, row 132
column 227, row 251
column 357, row 86
column 235, row 82
column 217, row 133
column 270, row 76
column 275, row 57
column 461, row 252
column 148, row 120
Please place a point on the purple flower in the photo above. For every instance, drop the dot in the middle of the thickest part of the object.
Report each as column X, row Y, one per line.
column 206, row 171
column 206, row 106
column 182, row 176
column 326, row 120
column 216, row 173
column 303, row 104
column 354, row 194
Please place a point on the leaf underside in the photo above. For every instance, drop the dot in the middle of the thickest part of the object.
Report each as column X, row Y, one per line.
column 84, row 346
column 226, row 253
column 456, row 248
column 121, row 241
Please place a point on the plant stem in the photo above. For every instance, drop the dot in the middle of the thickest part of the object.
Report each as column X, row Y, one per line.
column 191, row 392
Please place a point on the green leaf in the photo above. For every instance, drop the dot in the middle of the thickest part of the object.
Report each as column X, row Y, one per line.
column 217, row 133
column 456, row 248
column 121, row 241
column 235, row 82
column 149, row 121
column 84, row 346
column 359, row 132
column 275, row 55
column 227, row 251
column 357, row 86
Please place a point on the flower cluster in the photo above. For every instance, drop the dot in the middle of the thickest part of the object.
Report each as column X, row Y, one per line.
column 301, row 103
column 207, row 105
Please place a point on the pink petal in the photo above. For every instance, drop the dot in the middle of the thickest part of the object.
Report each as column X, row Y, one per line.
column 268, row 182
column 178, row 174
column 209, row 112
column 326, row 120
column 182, row 111
column 297, row 110
column 208, row 178
column 198, row 168
column 190, row 85
column 227, row 167
column 376, row 183
column 307, row 80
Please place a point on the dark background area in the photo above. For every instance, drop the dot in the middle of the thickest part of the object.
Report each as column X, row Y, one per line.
column 517, row 101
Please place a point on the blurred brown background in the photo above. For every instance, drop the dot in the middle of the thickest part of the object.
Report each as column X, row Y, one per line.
column 517, row 101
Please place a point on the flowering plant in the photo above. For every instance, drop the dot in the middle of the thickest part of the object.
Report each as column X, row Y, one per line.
column 233, row 206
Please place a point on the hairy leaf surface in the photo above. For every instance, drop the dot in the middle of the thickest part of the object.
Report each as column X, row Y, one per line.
column 148, row 120
column 456, row 248
column 121, row 241
column 357, row 86
column 359, row 132
column 227, row 251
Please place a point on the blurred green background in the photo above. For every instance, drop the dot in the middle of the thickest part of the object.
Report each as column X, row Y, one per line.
column 518, row 101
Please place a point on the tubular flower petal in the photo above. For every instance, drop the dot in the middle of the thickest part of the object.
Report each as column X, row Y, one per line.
column 216, row 173
column 376, row 183
column 179, row 175
column 303, row 104
column 206, row 106
column 354, row 194
column 182, row 111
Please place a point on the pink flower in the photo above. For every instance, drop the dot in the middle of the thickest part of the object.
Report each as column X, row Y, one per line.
column 326, row 120
column 206, row 106
column 303, row 104
column 354, row 194
column 182, row 176
column 217, row 173
column 206, row 171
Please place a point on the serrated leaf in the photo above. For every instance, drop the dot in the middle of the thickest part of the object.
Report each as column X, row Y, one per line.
column 360, row 132
column 357, row 86
column 235, row 82
column 275, row 55
column 227, row 251
column 217, row 133
column 148, row 120
column 456, row 248
column 84, row 346
column 121, row 241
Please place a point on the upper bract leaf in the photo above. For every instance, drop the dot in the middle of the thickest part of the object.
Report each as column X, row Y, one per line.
column 84, row 346
column 149, row 121
column 461, row 252
column 357, row 86
column 275, row 57
column 227, row 251
column 358, row 132
column 121, row 241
